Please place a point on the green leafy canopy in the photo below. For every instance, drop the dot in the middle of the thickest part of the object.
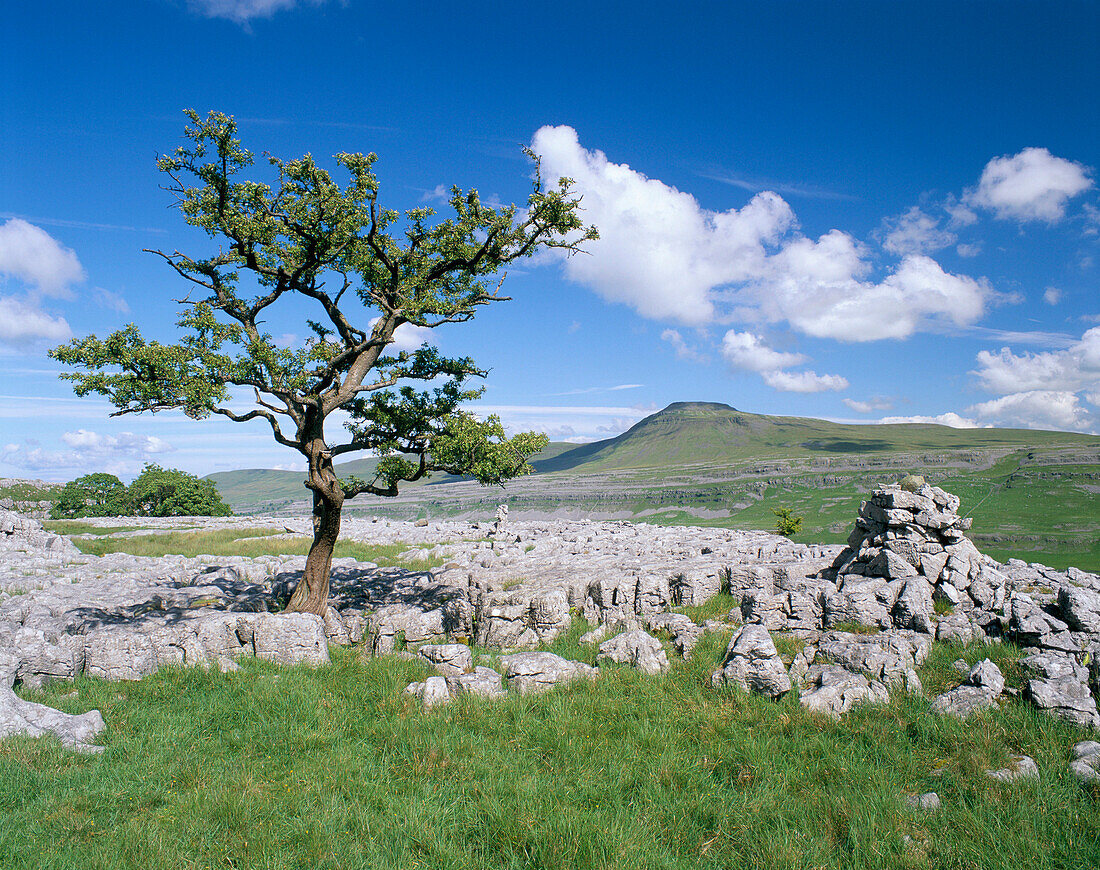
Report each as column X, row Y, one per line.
column 366, row 270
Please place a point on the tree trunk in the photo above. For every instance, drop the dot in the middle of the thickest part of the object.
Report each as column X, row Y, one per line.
column 311, row 593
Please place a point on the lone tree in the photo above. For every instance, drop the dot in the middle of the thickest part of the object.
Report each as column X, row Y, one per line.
column 305, row 238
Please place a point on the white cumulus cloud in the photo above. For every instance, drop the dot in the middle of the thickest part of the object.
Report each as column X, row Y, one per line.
column 666, row 256
column 1036, row 409
column 749, row 352
column 23, row 324
column 803, row 382
column 951, row 419
column 1030, row 186
column 34, row 257
column 818, row 287
column 744, row 350
column 659, row 251
column 916, row 233
column 875, row 403
column 1073, row 369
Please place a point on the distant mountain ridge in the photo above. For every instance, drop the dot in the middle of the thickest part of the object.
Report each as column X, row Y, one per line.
column 691, row 433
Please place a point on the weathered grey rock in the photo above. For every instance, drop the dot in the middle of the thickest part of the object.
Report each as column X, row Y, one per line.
column 448, row 658
column 963, row 701
column 1065, row 698
column 927, row 801
column 335, row 630
column 800, row 665
column 35, row 720
column 539, row 671
column 1029, row 624
column 859, row 600
column 753, row 663
column 411, row 624
column 833, row 690
column 685, row 632
column 888, row 657
column 1080, row 608
column 986, row 675
column 433, row 692
column 637, row 648
column 1047, row 665
column 483, row 682
column 913, row 608
column 1019, row 767
column 932, row 565
column 1086, row 764
column 287, row 638
column 957, row 628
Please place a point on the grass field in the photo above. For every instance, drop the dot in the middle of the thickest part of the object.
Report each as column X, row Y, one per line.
column 241, row 542
column 335, row 768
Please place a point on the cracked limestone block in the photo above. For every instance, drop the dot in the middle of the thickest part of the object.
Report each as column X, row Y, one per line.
column 448, row 658
column 119, row 654
column 652, row 595
column 753, row 664
column 985, row 674
column 958, row 628
column 833, row 690
column 550, row 614
column 637, row 648
column 913, row 608
column 289, row 638
column 35, row 720
column 697, row 584
column 890, row 657
column 964, row 701
column 1080, row 608
column 1066, row 698
column 685, row 632
column 411, row 623
column 539, row 671
column 433, row 692
column 481, row 681
column 1086, row 761
column 761, row 607
column 863, row 601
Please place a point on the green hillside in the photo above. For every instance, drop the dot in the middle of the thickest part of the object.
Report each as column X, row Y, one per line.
column 689, row 433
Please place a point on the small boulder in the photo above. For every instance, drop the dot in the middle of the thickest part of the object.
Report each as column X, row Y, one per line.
column 637, row 648
column 1019, row 767
column 539, row 671
column 753, row 663
column 833, row 690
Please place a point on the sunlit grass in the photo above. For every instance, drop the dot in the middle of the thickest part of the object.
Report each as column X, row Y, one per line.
column 335, row 768
column 246, row 543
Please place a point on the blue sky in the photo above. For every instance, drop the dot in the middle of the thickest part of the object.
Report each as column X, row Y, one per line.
column 856, row 211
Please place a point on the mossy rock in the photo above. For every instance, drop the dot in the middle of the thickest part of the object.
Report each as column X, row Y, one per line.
column 912, row 482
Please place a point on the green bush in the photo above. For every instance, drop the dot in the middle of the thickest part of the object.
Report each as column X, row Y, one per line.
column 786, row 524
column 93, row 495
column 156, row 492
column 168, row 492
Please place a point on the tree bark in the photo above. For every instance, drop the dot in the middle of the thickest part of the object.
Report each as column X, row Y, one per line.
column 311, row 593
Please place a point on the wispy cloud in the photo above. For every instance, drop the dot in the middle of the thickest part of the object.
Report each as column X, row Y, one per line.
column 755, row 185
column 586, row 390
column 79, row 225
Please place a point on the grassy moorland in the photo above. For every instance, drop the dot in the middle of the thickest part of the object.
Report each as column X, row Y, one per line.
column 336, row 768
column 228, row 542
